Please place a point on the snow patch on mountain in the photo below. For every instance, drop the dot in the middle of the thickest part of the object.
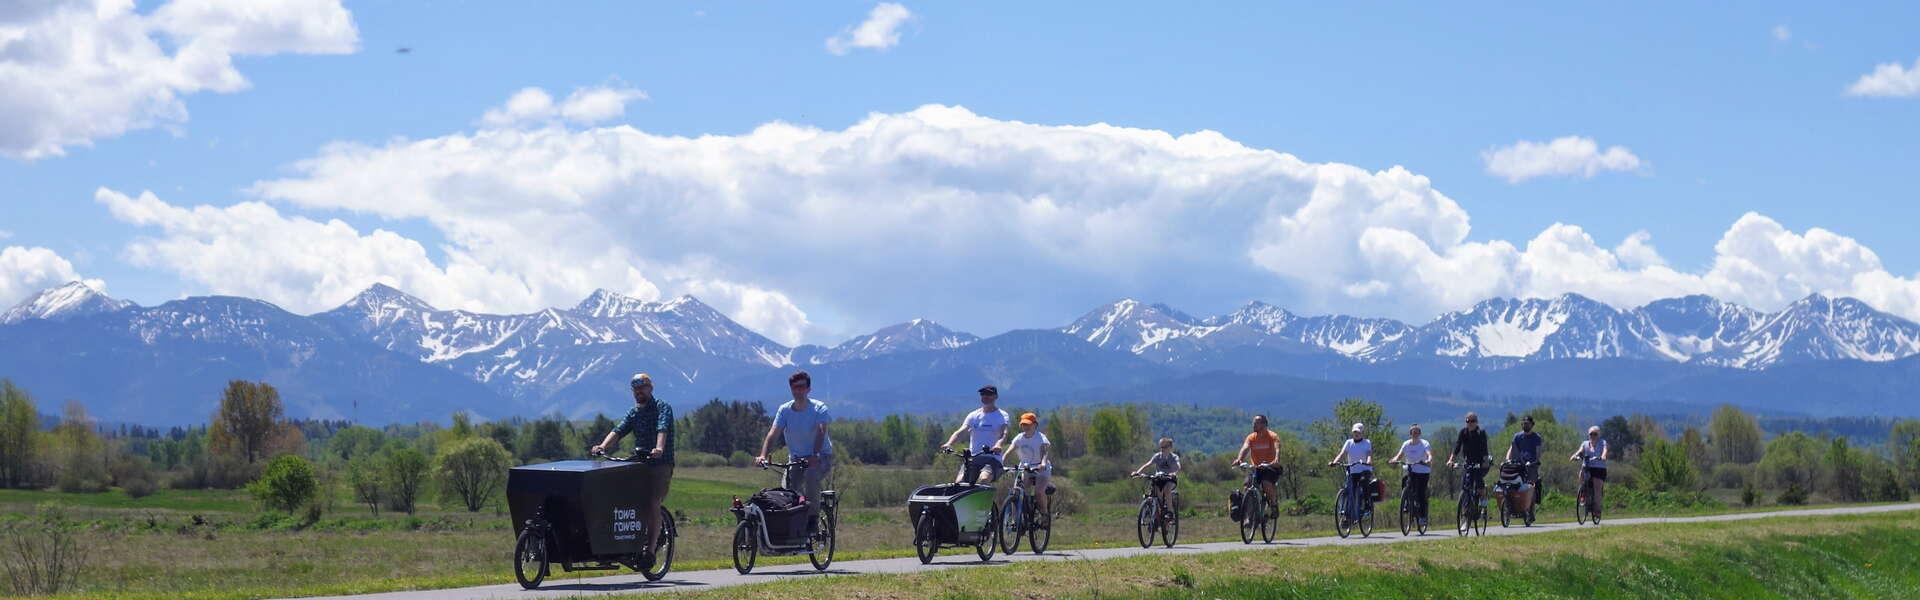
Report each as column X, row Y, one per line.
column 70, row 300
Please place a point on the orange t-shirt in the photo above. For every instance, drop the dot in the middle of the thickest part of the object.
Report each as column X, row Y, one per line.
column 1261, row 448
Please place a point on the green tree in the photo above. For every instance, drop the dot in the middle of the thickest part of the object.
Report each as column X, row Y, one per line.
column 1904, row 441
column 1664, row 467
column 1845, row 480
column 1735, row 436
column 249, row 417
column 286, row 485
column 1695, row 444
column 471, row 471
column 82, row 461
column 368, row 481
column 19, row 429
column 404, row 471
column 1328, row 434
column 1111, row 433
column 543, row 439
column 1620, row 434
column 1791, row 462
column 355, row 442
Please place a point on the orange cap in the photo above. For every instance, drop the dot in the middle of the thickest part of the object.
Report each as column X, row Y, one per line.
column 1029, row 419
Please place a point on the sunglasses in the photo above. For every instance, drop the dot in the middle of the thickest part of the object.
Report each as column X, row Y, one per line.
column 799, row 386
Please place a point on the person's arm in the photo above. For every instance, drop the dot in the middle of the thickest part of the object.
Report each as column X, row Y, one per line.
column 1605, row 449
column 1045, row 448
column 1143, row 467
column 820, row 429
column 662, row 424
column 1510, row 446
column 1000, row 441
column 1341, row 454
column 1399, row 455
column 964, row 427
column 766, row 445
column 607, row 442
column 1176, row 465
column 1246, row 452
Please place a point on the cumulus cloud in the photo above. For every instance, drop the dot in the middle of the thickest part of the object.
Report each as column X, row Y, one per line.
column 985, row 223
column 1888, row 80
column 585, row 106
column 1565, row 156
column 880, row 31
column 76, row 71
column 25, row 270
column 1781, row 33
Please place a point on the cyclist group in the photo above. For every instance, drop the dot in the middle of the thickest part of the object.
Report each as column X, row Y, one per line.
column 801, row 423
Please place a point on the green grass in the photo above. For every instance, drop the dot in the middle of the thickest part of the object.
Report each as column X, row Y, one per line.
column 1868, row 556
column 14, row 501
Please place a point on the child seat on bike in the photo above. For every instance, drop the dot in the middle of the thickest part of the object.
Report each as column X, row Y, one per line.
column 1513, row 484
column 785, row 513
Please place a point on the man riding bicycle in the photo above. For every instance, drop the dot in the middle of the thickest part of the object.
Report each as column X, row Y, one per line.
column 802, row 424
column 1261, row 451
column 1417, row 454
column 1032, row 447
column 1357, row 455
column 651, row 422
column 1164, row 462
column 986, row 427
column 1470, row 449
column 1525, row 449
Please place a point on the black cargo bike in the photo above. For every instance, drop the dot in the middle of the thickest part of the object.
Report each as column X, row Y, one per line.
column 584, row 515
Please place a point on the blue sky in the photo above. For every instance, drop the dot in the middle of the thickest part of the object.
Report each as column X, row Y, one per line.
column 1728, row 111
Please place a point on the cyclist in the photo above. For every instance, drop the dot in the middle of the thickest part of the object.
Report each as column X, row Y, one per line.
column 1593, row 456
column 1164, row 462
column 986, row 428
column 1417, row 454
column 1261, row 451
column 1525, row 449
column 1357, row 455
column 1032, row 447
column 1470, row 448
column 651, row 423
column 802, row 424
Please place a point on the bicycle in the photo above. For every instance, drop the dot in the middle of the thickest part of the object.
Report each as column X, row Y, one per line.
column 1355, row 506
column 1468, row 516
column 1413, row 514
column 546, row 539
column 1019, row 515
column 752, row 536
column 1586, row 506
column 1260, row 515
column 1157, row 517
column 1506, row 492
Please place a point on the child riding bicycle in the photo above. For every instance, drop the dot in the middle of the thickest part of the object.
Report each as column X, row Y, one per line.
column 1164, row 462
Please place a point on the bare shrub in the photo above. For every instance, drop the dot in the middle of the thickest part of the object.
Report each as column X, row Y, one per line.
column 40, row 556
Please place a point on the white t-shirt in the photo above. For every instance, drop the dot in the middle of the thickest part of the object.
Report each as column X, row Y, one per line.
column 986, row 428
column 1028, row 446
column 1592, row 453
column 1357, row 453
column 1417, row 452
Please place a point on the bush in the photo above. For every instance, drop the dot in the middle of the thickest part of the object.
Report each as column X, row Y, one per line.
column 1749, row 496
column 1731, row 476
column 472, row 471
column 287, row 484
column 1794, row 495
column 701, row 459
column 740, row 459
column 41, row 556
column 139, row 488
column 403, row 470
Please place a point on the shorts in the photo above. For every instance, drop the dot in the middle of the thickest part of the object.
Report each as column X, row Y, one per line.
column 988, row 462
column 1599, row 473
column 1165, row 482
column 658, row 477
column 1042, row 477
column 1267, row 473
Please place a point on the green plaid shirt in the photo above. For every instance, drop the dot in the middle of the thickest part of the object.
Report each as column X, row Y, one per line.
column 647, row 421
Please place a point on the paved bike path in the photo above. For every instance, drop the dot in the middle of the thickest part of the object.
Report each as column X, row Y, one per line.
column 560, row 586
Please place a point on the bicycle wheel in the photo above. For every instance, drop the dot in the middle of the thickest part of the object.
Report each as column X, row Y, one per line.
column 1463, row 513
column 1249, row 499
column 663, row 548
column 924, row 544
column 746, row 548
column 1012, row 522
column 1269, row 521
column 1406, row 519
column 986, row 547
column 1480, row 520
column 1506, row 514
column 1170, row 529
column 829, row 522
column 530, row 558
column 1042, row 533
column 1145, row 524
column 1366, row 519
column 1341, row 524
column 1420, row 518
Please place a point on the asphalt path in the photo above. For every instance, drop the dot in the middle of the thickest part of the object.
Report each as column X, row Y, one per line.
column 560, row 586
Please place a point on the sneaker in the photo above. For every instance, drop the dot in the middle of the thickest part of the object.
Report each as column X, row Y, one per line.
column 646, row 560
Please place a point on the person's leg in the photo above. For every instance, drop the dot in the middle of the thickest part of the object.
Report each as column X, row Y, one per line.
column 1599, row 494
column 1418, row 481
column 810, row 482
column 661, row 476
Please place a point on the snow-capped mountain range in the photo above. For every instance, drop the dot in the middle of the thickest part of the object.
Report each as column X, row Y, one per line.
column 384, row 341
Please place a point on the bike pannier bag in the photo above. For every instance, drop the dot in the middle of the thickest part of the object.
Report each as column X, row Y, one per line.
column 1379, row 488
column 1236, row 506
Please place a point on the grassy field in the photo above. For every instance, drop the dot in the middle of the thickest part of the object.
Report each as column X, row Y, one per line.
column 151, row 547
column 1872, row 556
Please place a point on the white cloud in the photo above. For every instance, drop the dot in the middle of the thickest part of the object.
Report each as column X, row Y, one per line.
column 76, row 71
column 1570, row 155
column 1781, row 33
column 1888, row 80
column 25, row 270
column 880, row 31
column 984, row 223
column 585, row 106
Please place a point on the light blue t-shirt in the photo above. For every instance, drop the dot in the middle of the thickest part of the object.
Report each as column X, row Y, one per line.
column 797, row 427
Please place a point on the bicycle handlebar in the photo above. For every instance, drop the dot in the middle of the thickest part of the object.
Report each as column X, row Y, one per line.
column 795, row 462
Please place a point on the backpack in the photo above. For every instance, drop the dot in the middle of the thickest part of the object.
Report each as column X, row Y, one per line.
column 784, row 512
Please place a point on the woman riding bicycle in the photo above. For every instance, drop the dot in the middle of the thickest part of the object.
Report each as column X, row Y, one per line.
column 1164, row 462
column 1357, row 455
column 1261, row 451
column 1593, row 457
column 1417, row 454
column 1032, row 446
